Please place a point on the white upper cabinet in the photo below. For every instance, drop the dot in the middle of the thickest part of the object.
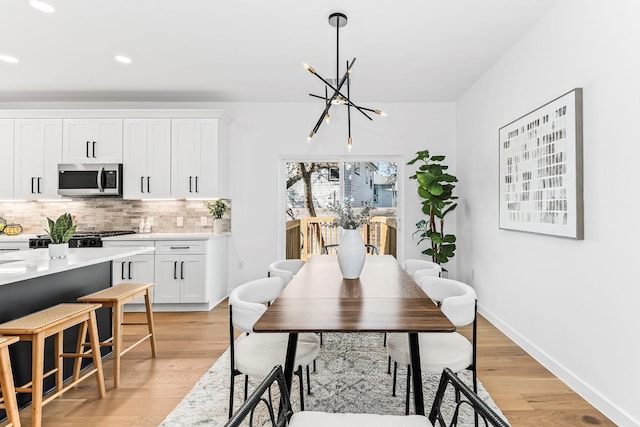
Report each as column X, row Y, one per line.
column 198, row 158
column 92, row 141
column 6, row 148
column 38, row 150
column 147, row 158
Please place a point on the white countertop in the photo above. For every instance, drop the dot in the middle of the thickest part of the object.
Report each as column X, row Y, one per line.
column 166, row 236
column 28, row 264
column 22, row 237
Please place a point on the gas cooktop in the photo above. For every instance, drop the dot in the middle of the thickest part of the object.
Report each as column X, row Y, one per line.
column 82, row 239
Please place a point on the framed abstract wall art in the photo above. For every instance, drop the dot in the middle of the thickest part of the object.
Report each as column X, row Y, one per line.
column 541, row 169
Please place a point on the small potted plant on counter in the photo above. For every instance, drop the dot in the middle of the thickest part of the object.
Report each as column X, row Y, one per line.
column 60, row 232
column 217, row 208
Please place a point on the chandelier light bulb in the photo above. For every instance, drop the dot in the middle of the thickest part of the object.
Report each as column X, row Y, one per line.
column 380, row 113
column 309, row 68
column 349, row 144
column 310, row 136
column 326, row 118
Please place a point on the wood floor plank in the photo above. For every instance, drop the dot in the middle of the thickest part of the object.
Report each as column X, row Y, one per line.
column 189, row 343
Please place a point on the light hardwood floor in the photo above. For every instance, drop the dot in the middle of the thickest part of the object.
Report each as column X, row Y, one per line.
column 189, row 343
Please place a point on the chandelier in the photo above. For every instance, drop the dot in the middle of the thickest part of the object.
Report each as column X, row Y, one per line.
column 339, row 96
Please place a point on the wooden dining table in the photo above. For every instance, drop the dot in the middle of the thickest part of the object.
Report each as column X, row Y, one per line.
column 383, row 299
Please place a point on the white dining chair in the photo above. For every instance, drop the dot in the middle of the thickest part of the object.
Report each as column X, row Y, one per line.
column 285, row 269
column 458, row 302
column 422, row 268
column 416, row 268
column 255, row 354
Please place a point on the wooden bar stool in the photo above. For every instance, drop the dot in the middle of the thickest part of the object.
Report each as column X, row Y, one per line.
column 116, row 297
column 53, row 321
column 8, row 399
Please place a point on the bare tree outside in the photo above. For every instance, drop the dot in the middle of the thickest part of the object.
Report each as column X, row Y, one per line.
column 312, row 186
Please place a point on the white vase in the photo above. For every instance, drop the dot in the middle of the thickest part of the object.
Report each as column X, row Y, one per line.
column 217, row 225
column 351, row 254
column 58, row 250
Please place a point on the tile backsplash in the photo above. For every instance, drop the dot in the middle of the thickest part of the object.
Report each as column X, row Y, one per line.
column 114, row 214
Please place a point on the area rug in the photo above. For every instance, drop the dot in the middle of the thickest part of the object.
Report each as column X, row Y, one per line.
column 351, row 376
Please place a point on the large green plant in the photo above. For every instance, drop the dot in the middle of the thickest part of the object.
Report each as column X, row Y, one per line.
column 435, row 186
column 62, row 229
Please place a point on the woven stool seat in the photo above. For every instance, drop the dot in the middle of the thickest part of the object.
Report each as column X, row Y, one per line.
column 122, row 292
column 53, row 321
column 45, row 319
column 8, row 399
column 115, row 297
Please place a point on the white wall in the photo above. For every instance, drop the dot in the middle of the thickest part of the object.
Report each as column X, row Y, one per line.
column 572, row 304
column 262, row 134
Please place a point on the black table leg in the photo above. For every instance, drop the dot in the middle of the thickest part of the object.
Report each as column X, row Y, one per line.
column 290, row 359
column 416, row 372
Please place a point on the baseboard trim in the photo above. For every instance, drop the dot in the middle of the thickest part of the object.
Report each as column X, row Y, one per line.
column 600, row 402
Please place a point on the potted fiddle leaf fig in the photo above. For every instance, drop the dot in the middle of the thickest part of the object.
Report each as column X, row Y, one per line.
column 435, row 187
column 60, row 232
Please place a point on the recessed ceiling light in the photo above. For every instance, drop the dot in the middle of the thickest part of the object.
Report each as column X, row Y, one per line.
column 42, row 6
column 123, row 59
column 9, row 59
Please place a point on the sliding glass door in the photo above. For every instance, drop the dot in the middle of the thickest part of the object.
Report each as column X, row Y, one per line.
column 311, row 186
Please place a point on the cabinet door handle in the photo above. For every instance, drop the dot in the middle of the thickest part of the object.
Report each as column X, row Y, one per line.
column 190, row 178
column 196, row 184
column 94, row 149
column 33, row 179
column 142, row 184
column 130, row 274
column 180, row 247
column 122, row 275
column 38, row 181
column 88, row 142
column 182, row 270
column 148, row 184
column 175, row 270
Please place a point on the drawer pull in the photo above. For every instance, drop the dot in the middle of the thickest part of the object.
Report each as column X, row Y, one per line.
column 180, row 247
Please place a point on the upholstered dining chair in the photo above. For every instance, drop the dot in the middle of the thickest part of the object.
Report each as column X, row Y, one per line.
column 417, row 268
column 458, row 302
column 422, row 268
column 279, row 412
column 255, row 354
column 285, row 269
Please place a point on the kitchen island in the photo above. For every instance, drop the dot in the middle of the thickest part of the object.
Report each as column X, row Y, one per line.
column 30, row 281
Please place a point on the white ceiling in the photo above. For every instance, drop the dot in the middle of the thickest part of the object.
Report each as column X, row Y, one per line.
column 253, row 50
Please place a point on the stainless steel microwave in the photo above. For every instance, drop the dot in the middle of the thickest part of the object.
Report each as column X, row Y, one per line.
column 90, row 180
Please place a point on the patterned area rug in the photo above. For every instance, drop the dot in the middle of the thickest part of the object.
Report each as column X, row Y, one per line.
column 351, row 377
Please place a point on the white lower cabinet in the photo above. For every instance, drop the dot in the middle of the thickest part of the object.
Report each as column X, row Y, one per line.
column 188, row 275
column 181, row 279
column 135, row 269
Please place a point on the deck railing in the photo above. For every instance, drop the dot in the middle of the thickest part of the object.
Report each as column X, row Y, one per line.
column 307, row 236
